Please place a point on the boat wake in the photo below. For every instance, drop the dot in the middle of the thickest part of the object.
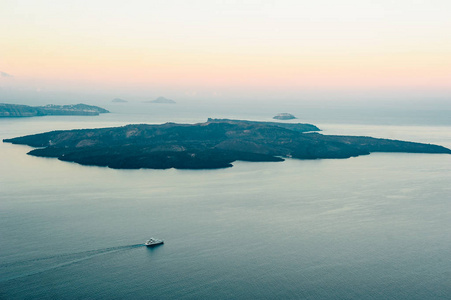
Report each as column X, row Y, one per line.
column 30, row 267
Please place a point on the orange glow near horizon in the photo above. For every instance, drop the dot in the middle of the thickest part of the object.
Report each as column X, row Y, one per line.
column 252, row 71
column 275, row 52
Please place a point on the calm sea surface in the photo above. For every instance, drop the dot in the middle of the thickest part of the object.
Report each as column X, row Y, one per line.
column 372, row 227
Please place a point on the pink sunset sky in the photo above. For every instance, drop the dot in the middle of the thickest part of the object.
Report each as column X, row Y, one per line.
column 225, row 48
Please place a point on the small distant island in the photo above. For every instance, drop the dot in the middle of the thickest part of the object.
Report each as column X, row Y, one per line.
column 16, row 110
column 216, row 143
column 284, row 116
column 161, row 100
column 119, row 100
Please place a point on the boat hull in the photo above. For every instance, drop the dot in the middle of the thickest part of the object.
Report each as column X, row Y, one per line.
column 154, row 244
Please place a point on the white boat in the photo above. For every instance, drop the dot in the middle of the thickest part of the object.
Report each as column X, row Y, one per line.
column 153, row 242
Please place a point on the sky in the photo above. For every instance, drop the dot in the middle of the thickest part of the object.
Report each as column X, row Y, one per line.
column 227, row 49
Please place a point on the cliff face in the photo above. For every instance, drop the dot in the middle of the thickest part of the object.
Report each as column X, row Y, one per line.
column 214, row 144
column 14, row 110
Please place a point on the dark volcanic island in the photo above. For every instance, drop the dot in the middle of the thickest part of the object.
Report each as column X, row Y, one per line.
column 216, row 143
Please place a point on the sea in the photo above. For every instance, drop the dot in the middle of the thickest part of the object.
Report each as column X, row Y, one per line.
column 370, row 227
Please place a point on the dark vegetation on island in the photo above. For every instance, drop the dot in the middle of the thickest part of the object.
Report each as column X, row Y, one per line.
column 216, row 143
column 16, row 110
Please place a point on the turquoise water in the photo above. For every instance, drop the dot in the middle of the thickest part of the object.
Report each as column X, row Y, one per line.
column 372, row 227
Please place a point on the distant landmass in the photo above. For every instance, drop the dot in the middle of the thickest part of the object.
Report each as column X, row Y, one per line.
column 161, row 100
column 216, row 143
column 16, row 110
column 284, row 116
column 118, row 100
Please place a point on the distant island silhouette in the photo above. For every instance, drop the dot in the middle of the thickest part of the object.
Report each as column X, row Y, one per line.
column 16, row 110
column 119, row 100
column 284, row 116
column 161, row 100
column 216, row 143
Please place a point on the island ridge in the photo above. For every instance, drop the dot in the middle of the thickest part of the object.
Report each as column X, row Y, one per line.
column 216, row 143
